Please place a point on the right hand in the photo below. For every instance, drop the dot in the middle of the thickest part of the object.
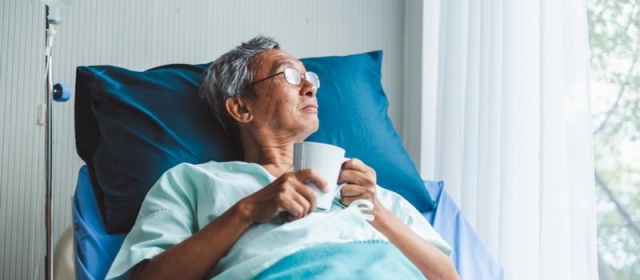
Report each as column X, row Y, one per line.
column 288, row 194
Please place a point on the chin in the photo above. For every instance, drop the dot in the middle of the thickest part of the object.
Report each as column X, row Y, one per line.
column 315, row 128
column 304, row 135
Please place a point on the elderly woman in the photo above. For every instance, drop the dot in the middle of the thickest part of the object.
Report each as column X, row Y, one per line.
column 256, row 218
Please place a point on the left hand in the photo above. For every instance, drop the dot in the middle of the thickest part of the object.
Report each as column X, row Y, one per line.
column 360, row 181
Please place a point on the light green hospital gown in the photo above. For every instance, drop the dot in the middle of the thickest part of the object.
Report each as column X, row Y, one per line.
column 187, row 197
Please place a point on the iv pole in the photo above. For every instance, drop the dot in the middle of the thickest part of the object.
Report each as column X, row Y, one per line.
column 57, row 92
column 48, row 151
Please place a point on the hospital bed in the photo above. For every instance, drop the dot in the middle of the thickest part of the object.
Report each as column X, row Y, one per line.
column 132, row 126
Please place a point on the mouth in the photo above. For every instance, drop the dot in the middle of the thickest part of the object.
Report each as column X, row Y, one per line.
column 310, row 107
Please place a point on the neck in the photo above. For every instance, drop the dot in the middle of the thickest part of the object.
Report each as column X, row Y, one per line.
column 273, row 153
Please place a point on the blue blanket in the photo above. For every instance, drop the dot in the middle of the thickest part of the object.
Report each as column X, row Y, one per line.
column 355, row 260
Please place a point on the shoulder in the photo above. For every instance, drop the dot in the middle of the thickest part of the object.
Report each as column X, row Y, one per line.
column 180, row 185
column 190, row 171
column 216, row 167
column 199, row 167
column 187, row 176
column 188, row 181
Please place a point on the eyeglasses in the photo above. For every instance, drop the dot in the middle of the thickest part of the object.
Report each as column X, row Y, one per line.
column 294, row 77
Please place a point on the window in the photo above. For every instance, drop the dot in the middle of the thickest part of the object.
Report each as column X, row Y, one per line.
column 614, row 38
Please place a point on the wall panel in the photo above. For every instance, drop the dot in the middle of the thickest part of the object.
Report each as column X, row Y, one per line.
column 22, row 141
column 140, row 34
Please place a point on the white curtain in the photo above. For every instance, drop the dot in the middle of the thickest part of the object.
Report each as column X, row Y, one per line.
column 506, row 125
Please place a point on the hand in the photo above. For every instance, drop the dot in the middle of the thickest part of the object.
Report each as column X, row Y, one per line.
column 360, row 181
column 288, row 194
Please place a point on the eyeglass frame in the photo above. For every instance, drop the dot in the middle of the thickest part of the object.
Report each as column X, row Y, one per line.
column 300, row 75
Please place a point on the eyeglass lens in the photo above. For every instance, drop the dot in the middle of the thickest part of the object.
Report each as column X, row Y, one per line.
column 294, row 77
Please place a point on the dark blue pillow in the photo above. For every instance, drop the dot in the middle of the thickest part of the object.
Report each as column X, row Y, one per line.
column 133, row 126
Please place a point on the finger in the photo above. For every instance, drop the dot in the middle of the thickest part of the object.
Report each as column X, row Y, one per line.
column 358, row 191
column 349, row 176
column 357, row 177
column 305, row 198
column 309, row 197
column 293, row 196
column 310, row 176
column 295, row 209
column 355, row 164
column 302, row 196
column 346, row 201
column 351, row 190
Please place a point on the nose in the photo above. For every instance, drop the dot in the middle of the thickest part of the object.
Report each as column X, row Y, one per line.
column 307, row 89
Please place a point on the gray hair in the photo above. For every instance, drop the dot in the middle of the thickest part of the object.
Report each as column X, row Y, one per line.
column 230, row 76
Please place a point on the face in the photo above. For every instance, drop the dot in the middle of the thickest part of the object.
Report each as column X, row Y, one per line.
column 279, row 107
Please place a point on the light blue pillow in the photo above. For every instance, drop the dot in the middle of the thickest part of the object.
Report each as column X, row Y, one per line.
column 132, row 126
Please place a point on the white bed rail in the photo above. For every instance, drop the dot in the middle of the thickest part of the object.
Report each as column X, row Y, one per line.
column 63, row 257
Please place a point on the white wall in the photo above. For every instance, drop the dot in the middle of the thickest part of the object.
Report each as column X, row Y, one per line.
column 145, row 33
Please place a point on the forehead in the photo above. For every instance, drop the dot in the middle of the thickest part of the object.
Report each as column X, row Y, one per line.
column 274, row 60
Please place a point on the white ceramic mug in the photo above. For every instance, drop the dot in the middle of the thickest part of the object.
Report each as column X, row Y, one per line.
column 326, row 160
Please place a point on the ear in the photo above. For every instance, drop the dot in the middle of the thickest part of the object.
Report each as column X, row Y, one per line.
column 238, row 110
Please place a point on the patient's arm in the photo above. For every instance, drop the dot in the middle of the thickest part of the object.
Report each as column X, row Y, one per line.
column 361, row 184
column 433, row 263
column 197, row 255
